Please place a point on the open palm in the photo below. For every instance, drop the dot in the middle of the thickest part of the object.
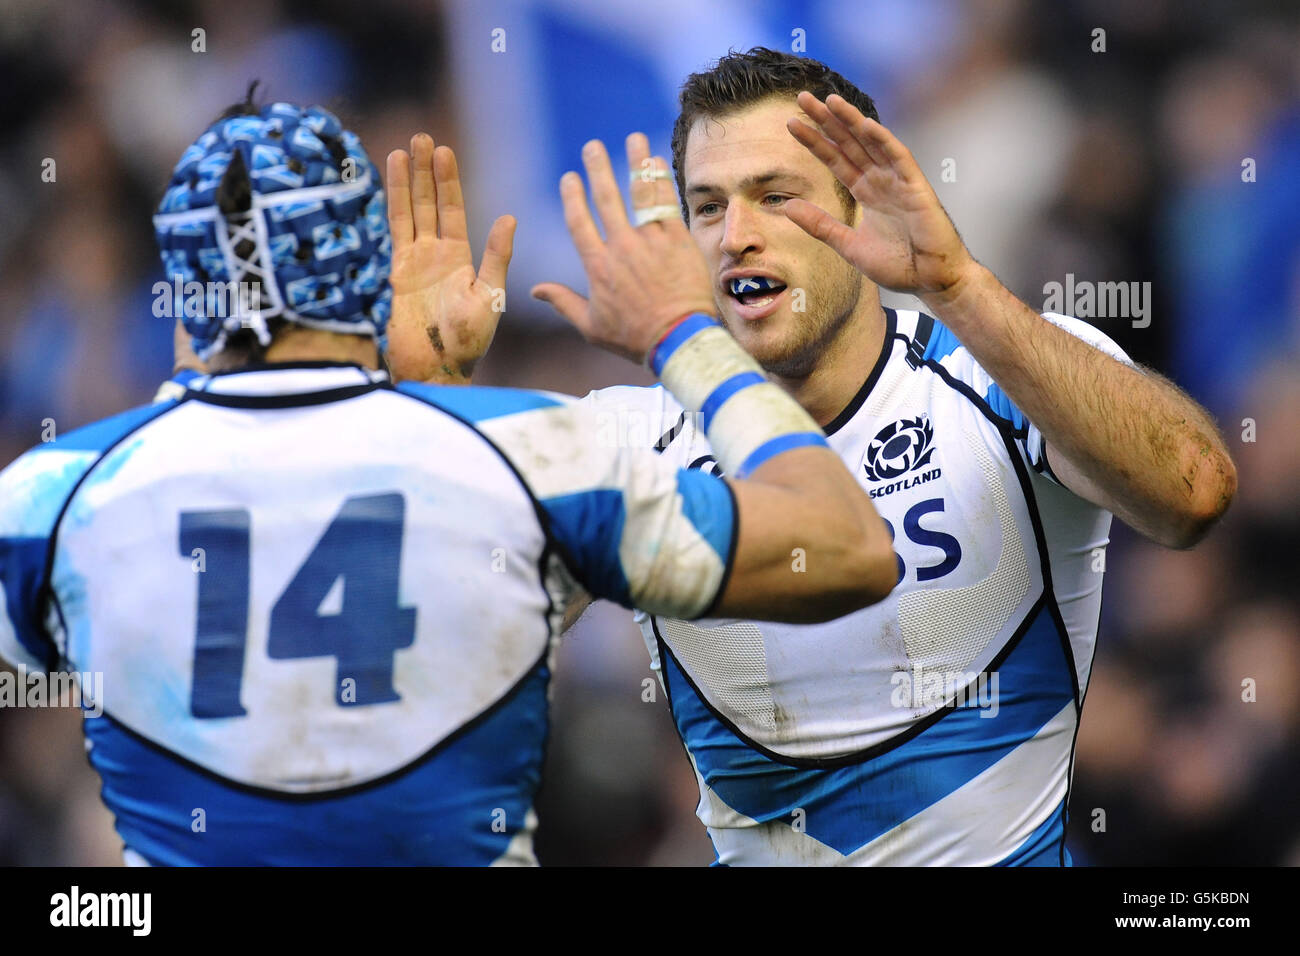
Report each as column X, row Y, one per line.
column 445, row 313
column 905, row 240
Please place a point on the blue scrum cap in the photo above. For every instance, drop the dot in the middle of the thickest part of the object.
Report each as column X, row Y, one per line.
column 315, row 236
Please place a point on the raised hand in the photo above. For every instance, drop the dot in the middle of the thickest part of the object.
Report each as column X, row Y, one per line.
column 905, row 240
column 444, row 312
column 643, row 278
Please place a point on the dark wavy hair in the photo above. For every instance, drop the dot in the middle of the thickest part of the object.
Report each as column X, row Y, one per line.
column 739, row 80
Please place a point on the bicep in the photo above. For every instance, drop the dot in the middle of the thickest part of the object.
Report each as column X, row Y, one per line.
column 1073, row 478
column 1038, row 450
column 768, row 574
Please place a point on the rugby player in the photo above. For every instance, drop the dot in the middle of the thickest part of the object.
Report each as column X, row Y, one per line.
column 937, row 726
column 325, row 607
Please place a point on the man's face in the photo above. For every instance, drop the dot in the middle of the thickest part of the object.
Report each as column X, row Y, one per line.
column 738, row 171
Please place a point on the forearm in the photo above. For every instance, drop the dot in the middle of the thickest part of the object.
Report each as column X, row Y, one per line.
column 811, row 543
column 1155, row 456
column 797, row 504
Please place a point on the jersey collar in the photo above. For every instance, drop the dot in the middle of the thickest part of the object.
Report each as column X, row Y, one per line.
column 286, row 384
column 886, row 348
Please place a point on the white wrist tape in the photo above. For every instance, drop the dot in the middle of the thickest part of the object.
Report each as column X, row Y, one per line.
column 748, row 419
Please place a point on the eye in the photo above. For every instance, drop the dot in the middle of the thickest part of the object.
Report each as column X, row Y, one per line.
column 707, row 209
column 777, row 196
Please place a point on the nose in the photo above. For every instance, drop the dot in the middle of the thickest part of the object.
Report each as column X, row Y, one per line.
column 740, row 233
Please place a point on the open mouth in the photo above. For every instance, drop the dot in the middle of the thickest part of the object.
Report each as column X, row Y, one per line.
column 755, row 291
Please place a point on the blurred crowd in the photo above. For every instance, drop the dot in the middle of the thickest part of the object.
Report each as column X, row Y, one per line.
column 1171, row 156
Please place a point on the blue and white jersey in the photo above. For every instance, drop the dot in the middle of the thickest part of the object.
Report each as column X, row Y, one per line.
column 936, row 727
column 325, row 608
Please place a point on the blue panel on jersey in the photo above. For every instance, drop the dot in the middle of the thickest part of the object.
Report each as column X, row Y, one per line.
column 101, row 434
column 438, row 813
column 477, row 403
column 1003, row 406
column 22, row 563
column 847, row 807
column 34, row 489
column 1043, row 846
column 942, row 343
column 590, row 526
column 706, row 503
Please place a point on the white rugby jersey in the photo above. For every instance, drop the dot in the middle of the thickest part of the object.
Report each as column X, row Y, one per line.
column 324, row 607
column 936, row 727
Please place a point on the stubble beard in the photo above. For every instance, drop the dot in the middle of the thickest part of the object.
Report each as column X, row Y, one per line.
column 832, row 301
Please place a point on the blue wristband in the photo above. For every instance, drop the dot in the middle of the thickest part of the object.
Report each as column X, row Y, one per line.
column 724, row 391
column 674, row 340
column 775, row 446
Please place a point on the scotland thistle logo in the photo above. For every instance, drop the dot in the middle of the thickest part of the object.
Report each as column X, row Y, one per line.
column 900, row 447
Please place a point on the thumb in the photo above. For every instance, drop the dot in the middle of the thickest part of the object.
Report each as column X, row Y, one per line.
column 566, row 302
column 496, row 255
column 820, row 224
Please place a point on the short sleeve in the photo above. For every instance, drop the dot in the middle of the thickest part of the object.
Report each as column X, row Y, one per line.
column 635, row 529
column 32, row 492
